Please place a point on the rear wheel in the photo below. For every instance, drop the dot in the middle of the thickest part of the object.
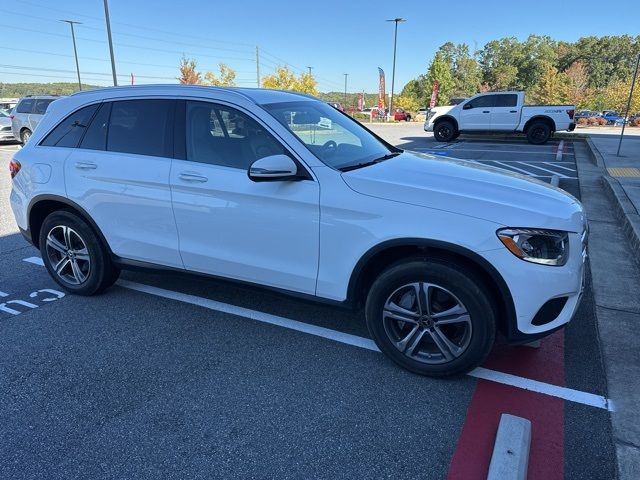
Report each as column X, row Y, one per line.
column 431, row 317
column 444, row 131
column 538, row 133
column 74, row 255
column 25, row 135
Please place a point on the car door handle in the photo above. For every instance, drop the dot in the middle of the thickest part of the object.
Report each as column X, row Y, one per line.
column 486, row 111
column 86, row 165
column 513, row 111
column 193, row 177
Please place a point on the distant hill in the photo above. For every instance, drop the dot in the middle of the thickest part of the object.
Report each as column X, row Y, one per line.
column 17, row 90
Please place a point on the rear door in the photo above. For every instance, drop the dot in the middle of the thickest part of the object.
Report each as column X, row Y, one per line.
column 120, row 176
column 505, row 114
column 476, row 113
column 39, row 109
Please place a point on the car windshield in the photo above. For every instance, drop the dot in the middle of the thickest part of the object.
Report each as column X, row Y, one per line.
column 4, row 113
column 337, row 140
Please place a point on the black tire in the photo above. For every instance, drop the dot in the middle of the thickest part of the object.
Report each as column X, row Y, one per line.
column 444, row 131
column 83, row 261
column 25, row 135
column 538, row 133
column 449, row 284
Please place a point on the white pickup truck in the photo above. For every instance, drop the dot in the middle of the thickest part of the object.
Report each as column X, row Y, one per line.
column 499, row 112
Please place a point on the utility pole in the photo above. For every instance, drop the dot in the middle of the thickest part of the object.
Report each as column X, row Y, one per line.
column 310, row 70
column 113, row 61
column 393, row 72
column 258, row 66
column 626, row 115
column 345, row 89
column 75, row 51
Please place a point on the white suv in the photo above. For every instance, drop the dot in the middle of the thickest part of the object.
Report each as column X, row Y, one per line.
column 283, row 191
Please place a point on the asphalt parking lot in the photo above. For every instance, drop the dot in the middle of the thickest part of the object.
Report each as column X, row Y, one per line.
column 173, row 376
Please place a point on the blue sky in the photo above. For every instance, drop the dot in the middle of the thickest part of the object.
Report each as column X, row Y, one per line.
column 332, row 36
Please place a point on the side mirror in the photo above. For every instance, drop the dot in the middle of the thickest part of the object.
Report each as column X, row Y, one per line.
column 467, row 106
column 273, row 168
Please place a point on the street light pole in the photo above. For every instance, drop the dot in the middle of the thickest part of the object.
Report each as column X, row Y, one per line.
column 75, row 51
column 113, row 62
column 626, row 115
column 345, row 89
column 309, row 70
column 393, row 72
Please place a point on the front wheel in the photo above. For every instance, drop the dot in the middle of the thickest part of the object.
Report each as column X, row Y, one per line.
column 444, row 131
column 431, row 317
column 25, row 135
column 74, row 255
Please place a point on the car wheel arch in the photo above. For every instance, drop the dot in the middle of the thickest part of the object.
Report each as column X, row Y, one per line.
column 390, row 252
column 446, row 117
column 540, row 118
column 43, row 205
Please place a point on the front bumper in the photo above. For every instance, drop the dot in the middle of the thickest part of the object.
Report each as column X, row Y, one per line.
column 428, row 126
column 534, row 286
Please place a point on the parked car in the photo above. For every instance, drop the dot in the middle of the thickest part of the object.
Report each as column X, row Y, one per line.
column 499, row 112
column 8, row 103
column 337, row 106
column 586, row 114
column 400, row 115
column 27, row 114
column 6, row 135
column 613, row 118
column 110, row 178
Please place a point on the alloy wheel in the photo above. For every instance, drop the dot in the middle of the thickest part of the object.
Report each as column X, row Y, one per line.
column 68, row 255
column 427, row 323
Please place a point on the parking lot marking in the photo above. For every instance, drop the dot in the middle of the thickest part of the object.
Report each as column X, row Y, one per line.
column 542, row 168
column 559, row 151
column 3, row 294
column 526, row 172
column 552, row 164
column 568, row 394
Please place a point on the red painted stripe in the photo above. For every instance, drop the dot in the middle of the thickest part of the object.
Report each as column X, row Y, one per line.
column 475, row 445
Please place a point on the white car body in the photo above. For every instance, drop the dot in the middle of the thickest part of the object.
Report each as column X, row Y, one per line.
column 309, row 237
column 513, row 117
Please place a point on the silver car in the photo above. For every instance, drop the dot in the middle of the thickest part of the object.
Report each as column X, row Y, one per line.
column 6, row 135
column 27, row 115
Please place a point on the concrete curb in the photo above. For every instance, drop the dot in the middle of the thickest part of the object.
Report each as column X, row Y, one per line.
column 595, row 153
column 625, row 212
column 510, row 459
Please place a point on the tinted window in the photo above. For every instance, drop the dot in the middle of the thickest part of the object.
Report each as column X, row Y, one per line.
column 221, row 135
column 41, row 106
column 69, row 132
column 25, row 106
column 483, row 102
column 95, row 137
column 506, row 100
column 140, row 127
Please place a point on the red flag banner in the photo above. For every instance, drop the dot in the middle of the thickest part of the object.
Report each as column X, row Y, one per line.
column 434, row 94
column 381, row 88
column 360, row 101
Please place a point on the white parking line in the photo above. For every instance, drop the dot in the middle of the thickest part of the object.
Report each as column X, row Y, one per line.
column 559, row 151
column 568, row 394
column 553, row 164
column 526, row 172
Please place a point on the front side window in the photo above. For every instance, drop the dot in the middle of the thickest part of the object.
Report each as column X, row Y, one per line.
column 41, row 106
column 221, row 135
column 139, row 127
column 69, row 132
column 25, row 106
column 484, row 101
column 336, row 139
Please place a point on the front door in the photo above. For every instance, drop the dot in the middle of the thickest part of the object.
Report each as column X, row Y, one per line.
column 229, row 225
column 476, row 113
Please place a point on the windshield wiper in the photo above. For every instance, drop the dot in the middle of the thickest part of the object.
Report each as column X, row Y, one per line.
column 370, row 162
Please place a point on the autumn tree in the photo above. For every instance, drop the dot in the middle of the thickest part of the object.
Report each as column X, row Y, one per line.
column 577, row 91
column 553, row 87
column 188, row 73
column 440, row 70
column 285, row 79
column 226, row 77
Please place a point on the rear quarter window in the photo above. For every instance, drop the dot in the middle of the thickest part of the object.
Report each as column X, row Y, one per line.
column 69, row 132
column 25, row 106
column 41, row 106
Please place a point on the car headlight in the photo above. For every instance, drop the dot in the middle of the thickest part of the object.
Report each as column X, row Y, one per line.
column 547, row 247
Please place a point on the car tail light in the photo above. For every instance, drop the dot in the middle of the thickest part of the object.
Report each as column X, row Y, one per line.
column 14, row 168
column 570, row 113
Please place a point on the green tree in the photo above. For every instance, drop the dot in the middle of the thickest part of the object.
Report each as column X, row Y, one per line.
column 553, row 87
column 226, row 77
column 406, row 102
column 440, row 70
column 188, row 73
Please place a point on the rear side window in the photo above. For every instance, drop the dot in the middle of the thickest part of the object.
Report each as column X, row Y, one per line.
column 41, row 106
column 69, row 132
column 509, row 100
column 25, row 106
column 140, row 127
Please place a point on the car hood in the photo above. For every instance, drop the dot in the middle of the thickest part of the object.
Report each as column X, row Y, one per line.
column 468, row 188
